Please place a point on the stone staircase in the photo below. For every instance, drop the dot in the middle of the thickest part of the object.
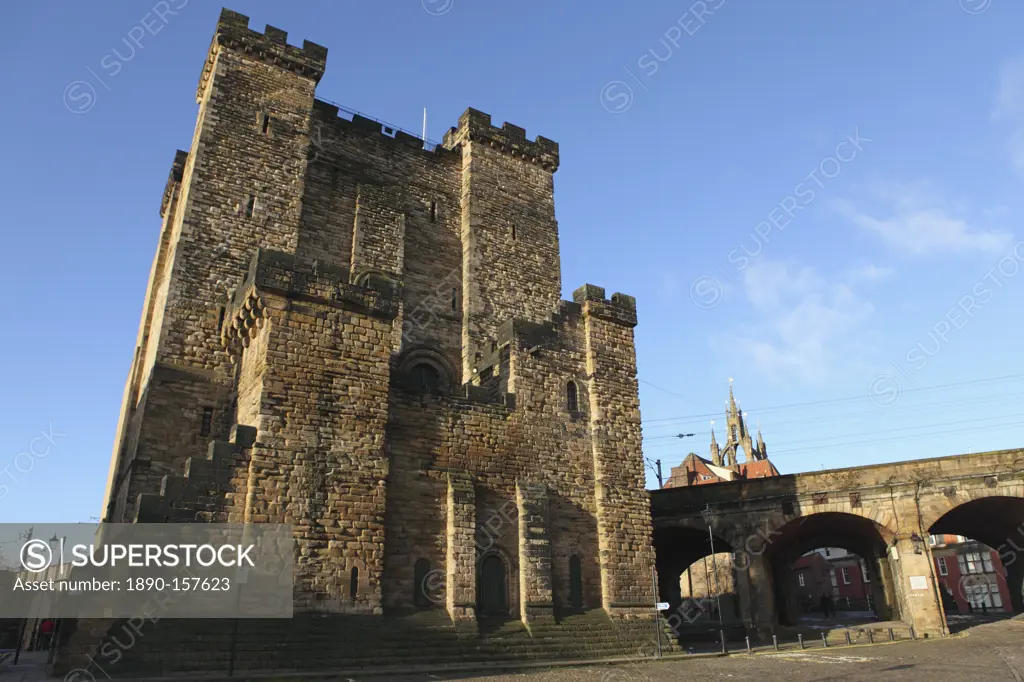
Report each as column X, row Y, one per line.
column 426, row 640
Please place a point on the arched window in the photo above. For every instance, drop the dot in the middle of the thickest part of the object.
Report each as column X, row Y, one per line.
column 572, row 397
column 425, row 377
column 421, row 572
column 353, row 583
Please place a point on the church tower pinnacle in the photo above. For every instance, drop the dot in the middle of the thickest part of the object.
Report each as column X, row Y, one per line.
column 716, row 456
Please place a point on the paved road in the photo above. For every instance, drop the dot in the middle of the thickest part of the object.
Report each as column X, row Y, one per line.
column 987, row 652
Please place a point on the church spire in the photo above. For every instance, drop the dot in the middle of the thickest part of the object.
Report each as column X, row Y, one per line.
column 716, row 455
column 732, row 399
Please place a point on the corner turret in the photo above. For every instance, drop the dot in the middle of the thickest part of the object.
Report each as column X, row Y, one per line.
column 271, row 47
column 475, row 126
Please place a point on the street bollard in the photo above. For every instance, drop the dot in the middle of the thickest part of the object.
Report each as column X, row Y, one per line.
column 800, row 638
column 824, row 640
column 848, row 642
column 721, row 635
column 748, row 644
column 871, row 636
column 913, row 635
column 775, row 642
column 892, row 637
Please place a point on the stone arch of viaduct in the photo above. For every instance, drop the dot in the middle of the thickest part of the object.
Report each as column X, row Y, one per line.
column 884, row 513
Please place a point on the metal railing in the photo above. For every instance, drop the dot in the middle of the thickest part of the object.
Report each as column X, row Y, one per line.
column 386, row 128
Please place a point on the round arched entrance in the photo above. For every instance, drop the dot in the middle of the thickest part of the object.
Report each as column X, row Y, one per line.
column 824, row 562
column 493, row 587
column 978, row 550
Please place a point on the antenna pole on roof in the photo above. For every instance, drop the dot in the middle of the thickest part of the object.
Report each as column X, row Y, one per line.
column 424, row 124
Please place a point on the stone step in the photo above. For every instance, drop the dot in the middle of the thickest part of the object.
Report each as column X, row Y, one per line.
column 172, row 647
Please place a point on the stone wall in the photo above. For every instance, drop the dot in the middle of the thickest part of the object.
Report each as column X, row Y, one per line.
column 883, row 513
column 364, row 334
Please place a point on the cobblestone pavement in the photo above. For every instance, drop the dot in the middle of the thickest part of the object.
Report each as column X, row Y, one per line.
column 987, row 652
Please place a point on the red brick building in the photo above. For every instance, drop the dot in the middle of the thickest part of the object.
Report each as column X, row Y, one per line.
column 835, row 572
column 971, row 575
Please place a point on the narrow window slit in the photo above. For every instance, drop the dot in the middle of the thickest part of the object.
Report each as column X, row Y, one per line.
column 207, row 423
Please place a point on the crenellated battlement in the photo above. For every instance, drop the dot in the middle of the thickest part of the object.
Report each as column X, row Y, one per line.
column 274, row 272
column 271, row 46
column 621, row 308
column 173, row 178
column 475, row 126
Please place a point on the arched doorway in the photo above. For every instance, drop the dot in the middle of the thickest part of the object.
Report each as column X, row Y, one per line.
column 978, row 552
column 697, row 577
column 575, row 583
column 493, row 587
column 828, row 561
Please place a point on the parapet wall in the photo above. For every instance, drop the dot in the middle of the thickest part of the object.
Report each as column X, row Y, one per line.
column 330, row 114
column 620, row 308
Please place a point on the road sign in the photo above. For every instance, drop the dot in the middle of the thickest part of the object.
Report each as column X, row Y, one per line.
column 662, row 606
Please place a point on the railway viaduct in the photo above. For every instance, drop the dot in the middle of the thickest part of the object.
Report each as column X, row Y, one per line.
column 884, row 513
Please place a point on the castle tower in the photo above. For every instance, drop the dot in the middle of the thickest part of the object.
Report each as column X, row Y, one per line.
column 510, row 264
column 234, row 192
column 360, row 334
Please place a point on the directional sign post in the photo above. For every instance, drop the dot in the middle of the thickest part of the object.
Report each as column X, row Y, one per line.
column 663, row 606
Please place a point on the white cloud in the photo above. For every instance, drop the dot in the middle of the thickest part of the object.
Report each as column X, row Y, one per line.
column 807, row 325
column 1009, row 106
column 1009, row 103
column 868, row 274
column 920, row 225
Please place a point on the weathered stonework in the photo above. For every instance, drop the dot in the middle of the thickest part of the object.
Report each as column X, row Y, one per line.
column 368, row 332
column 884, row 513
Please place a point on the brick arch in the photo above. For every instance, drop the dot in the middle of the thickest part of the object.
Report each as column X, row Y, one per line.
column 424, row 355
column 377, row 280
column 990, row 516
column 862, row 533
column 679, row 545
column 947, row 500
column 827, row 528
column 881, row 512
column 511, row 574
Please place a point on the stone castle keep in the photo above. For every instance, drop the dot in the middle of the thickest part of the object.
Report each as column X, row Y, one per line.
column 357, row 333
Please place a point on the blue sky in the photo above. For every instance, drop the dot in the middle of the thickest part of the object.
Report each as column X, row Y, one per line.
column 868, row 154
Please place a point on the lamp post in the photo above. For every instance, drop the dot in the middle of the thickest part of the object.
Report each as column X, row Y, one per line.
column 707, row 515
